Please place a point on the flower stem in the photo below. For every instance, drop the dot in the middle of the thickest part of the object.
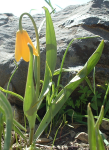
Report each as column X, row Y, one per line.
column 31, row 136
column 37, row 59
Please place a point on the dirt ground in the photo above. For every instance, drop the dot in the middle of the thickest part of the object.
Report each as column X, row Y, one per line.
column 69, row 137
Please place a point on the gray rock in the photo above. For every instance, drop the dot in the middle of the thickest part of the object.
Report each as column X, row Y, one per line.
column 12, row 99
column 82, row 136
column 105, row 125
column 18, row 114
column 74, row 21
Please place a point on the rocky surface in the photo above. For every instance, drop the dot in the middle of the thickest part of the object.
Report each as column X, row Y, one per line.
column 74, row 21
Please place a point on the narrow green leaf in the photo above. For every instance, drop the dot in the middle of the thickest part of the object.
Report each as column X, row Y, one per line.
column 100, row 144
column 3, row 112
column 92, row 61
column 56, row 72
column 11, row 78
column 29, row 98
column 5, row 105
column 106, row 107
column 89, row 84
column 17, row 130
column 95, row 133
column 49, row 3
column 104, row 139
column 99, row 120
column 94, row 79
column 91, row 129
column 99, row 139
column 63, row 95
column 64, row 56
column 51, row 54
column 1, row 127
column 106, row 94
column 11, row 93
column 19, row 125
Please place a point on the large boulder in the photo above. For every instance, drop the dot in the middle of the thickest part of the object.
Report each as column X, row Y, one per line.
column 74, row 21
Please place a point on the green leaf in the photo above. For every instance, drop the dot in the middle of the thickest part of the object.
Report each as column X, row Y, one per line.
column 17, row 124
column 95, row 139
column 106, row 107
column 63, row 95
column 1, row 127
column 96, row 56
column 17, row 130
column 104, row 139
column 99, row 120
column 93, row 105
column 91, row 129
column 11, row 93
column 106, row 94
column 63, row 59
column 29, row 98
column 11, row 77
column 51, row 55
column 6, row 107
column 100, row 144
column 56, row 72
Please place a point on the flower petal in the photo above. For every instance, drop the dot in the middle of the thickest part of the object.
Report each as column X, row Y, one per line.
column 21, row 47
column 35, row 52
column 25, row 48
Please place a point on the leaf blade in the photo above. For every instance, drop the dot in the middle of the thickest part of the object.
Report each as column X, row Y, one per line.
column 63, row 95
column 5, row 105
column 91, row 129
column 51, row 54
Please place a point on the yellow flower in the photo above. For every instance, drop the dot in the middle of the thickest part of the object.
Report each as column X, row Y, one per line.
column 21, row 47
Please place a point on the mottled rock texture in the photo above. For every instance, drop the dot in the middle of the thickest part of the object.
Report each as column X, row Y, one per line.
column 74, row 21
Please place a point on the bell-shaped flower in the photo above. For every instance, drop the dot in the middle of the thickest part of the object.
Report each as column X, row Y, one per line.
column 21, row 47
